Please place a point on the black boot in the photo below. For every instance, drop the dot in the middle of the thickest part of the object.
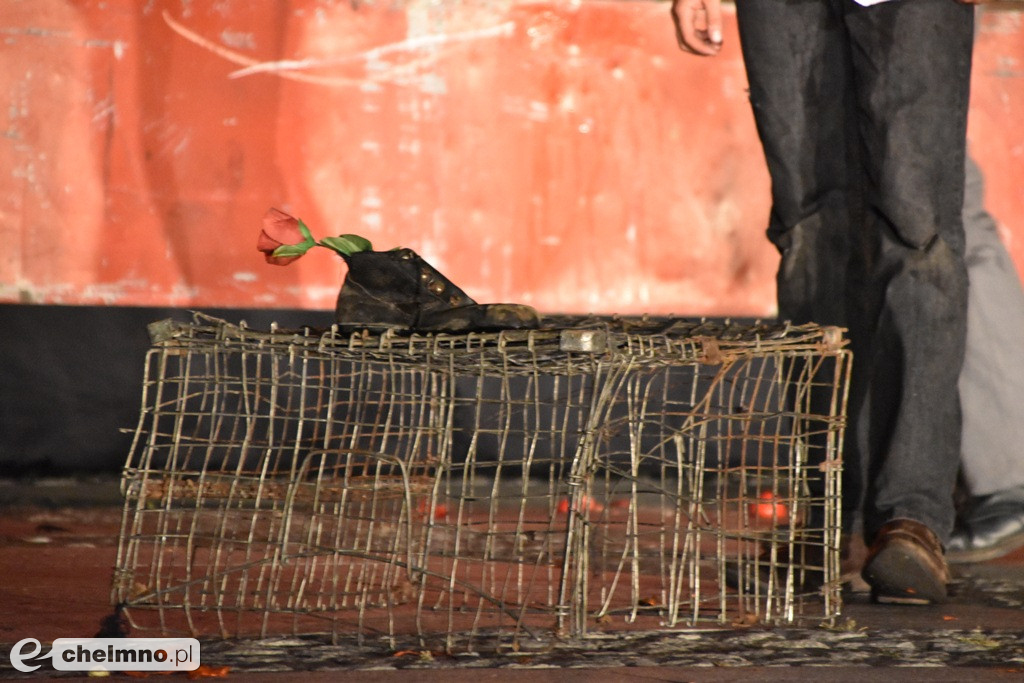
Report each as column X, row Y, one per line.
column 398, row 289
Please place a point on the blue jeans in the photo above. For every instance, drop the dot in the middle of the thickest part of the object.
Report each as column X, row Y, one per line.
column 862, row 113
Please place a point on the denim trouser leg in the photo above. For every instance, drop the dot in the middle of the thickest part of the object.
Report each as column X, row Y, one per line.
column 862, row 114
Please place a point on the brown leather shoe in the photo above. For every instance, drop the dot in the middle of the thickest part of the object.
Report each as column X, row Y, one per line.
column 905, row 565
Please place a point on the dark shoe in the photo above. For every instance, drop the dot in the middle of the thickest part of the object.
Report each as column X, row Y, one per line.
column 993, row 526
column 398, row 289
column 905, row 565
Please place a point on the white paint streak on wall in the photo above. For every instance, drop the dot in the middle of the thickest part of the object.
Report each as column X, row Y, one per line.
column 414, row 72
column 183, row 292
column 322, row 297
column 238, row 40
column 107, row 293
column 371, row 203
column 103, row 110
column 113, row 292
column 33, row 32
column 23, row 291
column 520, row 107
column 377, row 54
column 411, row 146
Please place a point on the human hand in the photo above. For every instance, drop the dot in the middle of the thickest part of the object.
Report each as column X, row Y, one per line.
column 698, row 25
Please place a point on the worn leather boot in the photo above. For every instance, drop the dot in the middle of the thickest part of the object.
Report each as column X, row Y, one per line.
column 905, row 565
column 397, row 289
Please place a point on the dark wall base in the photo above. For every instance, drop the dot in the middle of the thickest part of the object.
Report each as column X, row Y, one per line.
column 71, row 381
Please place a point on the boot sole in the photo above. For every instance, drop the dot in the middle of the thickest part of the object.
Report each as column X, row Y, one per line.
column 899, row 575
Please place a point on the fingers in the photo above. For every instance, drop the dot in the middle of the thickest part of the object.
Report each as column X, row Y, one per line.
column 698, row 25
column 714, row 21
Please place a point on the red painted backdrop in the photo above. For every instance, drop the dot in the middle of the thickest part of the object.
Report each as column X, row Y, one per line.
column 562, row 154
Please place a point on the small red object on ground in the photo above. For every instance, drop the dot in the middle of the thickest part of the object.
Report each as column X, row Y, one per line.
column 769, row 508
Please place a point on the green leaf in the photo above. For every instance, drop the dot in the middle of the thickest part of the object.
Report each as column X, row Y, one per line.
column 347, row 244
column 292, row 249
column 306, row 234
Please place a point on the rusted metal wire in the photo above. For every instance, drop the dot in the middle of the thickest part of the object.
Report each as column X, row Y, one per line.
column 595, row 474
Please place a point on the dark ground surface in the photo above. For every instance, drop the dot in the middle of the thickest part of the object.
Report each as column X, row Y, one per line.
column 58, row 545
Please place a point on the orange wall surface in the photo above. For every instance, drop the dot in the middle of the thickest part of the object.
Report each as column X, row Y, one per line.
column 561, row 154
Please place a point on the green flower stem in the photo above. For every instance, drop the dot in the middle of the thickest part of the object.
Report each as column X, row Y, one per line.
column 346, row 245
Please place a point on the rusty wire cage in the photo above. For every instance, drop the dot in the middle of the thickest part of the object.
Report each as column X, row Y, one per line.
column 591, row 475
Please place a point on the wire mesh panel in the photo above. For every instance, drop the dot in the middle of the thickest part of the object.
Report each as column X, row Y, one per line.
column 593, row 474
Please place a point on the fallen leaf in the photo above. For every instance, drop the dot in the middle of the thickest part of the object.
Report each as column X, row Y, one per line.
column 586, row 503
column 745, row 621
column 949, row 617
column 205, row 671
column 146, row 674
column 979, row 639
column 403, row 592
column 848, row 626
column 830, row 464
column 440, row 510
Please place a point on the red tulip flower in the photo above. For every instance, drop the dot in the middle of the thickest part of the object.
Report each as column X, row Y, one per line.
column 285, row 238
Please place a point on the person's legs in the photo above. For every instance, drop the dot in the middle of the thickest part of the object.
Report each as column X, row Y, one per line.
column 992, row 380
column 897, row 279
column 991, row 392
column 912, row 65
